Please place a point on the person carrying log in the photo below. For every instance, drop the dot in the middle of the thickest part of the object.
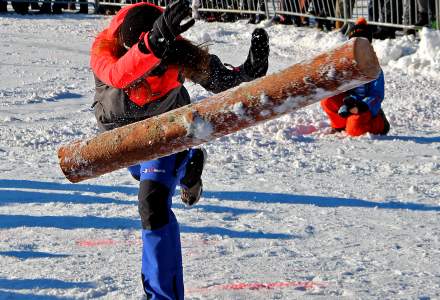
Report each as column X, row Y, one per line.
column 140, row 62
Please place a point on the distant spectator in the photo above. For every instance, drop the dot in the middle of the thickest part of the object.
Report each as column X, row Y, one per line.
column 83, row 7
column 255, row 5
column 56, row 8
column 195, row 5
column 35, row 5
column 385, row 11
column 343, row 12
column 45, row 8
column 419, row 16
column 294, row 6
column 422, row 12
column 20, row 7
column 321, row 9
column 3, row 6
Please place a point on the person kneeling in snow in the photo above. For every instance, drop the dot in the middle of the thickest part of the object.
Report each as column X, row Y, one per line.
column 359, row 111
column 140, row 63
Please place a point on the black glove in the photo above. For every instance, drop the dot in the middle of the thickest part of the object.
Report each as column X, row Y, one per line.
column 350, row 101
column 343, row 111
column 167, row 27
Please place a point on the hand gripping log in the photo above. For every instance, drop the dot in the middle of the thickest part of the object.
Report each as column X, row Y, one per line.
column 343, row 68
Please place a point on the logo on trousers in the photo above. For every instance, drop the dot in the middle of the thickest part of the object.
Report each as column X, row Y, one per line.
column 152, row 170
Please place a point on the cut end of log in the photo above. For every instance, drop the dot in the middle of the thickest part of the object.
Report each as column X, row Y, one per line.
column 366, row 57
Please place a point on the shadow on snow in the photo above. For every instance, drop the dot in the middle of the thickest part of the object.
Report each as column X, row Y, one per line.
column 43, row 283
column 415, row 139
column 74, row 222
column 7, row 196
column 13, row 196
column 316, row 200
column 9, row 295
column 43, row 185
column 17, row 196
column 23, row 255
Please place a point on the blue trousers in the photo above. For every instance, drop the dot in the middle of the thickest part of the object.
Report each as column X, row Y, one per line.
column 162, row 273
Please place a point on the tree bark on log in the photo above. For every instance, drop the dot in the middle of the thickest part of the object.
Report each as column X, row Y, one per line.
column 338, row 70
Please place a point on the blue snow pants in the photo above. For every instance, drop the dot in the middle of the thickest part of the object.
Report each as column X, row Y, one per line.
column 162, row 273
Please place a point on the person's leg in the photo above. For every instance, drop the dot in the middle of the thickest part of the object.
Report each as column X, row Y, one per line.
column 221, row 78
column 57, row 7
column 45, row 7
column 3, row 6
column 20, row 7
column 162, row 275
column 422, row 13
column 83, row 7
column 331, row 106
column 35, row 5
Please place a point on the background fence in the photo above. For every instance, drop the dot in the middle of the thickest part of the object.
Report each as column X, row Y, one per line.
column 391, row 13
column 406, row 14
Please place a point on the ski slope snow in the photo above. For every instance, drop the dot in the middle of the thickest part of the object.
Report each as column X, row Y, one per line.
column 290, row 211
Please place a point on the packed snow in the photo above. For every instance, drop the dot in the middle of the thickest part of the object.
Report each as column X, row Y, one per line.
column 289, row 210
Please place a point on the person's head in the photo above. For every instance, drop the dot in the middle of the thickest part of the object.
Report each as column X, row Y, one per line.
column 131, row 21
column 138, row 19
column 361, row 29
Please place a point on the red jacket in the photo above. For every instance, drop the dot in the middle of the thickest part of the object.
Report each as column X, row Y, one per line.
column 131, row 71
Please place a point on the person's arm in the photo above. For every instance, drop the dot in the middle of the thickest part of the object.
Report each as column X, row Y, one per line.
column 375, row 96
column 371, row 101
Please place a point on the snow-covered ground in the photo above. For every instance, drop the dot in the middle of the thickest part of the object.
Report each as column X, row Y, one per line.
column 289, row 210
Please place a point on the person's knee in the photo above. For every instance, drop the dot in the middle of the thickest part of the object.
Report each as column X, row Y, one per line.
column 153, row 204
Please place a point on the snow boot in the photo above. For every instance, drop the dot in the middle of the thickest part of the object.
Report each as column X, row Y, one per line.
column 386, row 123
column 191, row 182
column 257, row 61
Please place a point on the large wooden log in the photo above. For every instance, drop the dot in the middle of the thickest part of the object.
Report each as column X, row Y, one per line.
column 343, row 68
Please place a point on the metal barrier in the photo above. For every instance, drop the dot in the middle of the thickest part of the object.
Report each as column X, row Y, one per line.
column 22, row 6
column 403, row 14
column 391, row 13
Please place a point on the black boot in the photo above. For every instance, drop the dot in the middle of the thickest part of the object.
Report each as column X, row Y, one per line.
column 191, row 183
column 386, row 126
column 257, row 61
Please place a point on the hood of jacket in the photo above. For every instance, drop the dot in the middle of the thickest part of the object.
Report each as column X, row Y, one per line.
column 119, row 18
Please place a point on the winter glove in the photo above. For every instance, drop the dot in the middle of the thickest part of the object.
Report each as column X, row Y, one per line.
column 343, row 111
column 352, row 105
column 167, row 27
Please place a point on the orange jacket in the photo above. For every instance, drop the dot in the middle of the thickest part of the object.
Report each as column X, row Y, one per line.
column 131, row 71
